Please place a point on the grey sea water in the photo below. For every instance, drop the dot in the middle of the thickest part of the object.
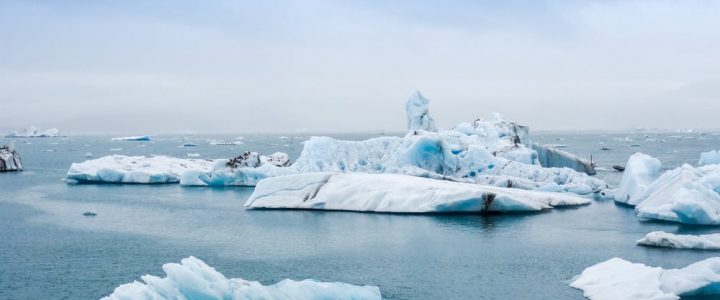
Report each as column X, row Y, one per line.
column 49, row 250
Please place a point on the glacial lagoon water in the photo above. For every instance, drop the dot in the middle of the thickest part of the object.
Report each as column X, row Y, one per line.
column 49, row 250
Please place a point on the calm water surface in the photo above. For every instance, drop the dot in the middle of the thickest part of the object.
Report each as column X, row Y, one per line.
column 49, row 250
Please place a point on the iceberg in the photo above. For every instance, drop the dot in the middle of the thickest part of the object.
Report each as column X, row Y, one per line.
column 618, row 279
column 709, row 158
column 247, row 169
column 397, row 194
column 686, row 195
column 554, row 158
column 134, row 169
column 193, row 279
column 9, row 159
column 140, row 138
column 681, row 241
column 640, row 171
column 495, row 152
column 32, row 132
column 418, row 115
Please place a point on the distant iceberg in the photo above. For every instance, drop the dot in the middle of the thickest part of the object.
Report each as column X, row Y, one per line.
column 32, row 132
column 681, row 241
column 618, row 279
column 9, row 159
column 193, row 279
column 140, row 138
column 397, row 193
column 134, row 169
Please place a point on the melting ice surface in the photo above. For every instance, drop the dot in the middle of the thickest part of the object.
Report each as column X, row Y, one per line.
column 681, row 241
column 193, row 279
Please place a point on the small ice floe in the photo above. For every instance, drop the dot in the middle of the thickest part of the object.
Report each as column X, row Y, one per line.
column 618, row 168
column 116, row 149
column 90, row 213
column 224, row 143
column 140, row 138
column 681, row 241
column 193, row 279
column 88, row 155
column 193, row 155
column 189, row 145
column 618, row 279
column 49, row 150
column 605, row 149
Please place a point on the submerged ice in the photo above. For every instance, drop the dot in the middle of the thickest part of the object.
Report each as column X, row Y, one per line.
column 618, row 279
column 193, row 279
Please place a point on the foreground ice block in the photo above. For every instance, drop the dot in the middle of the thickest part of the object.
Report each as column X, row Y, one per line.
column 681, row 241
column 9, row 159
column 193, row 279
column 618, row 279
column 397, row 193
column 134, row 169
column 641, row 170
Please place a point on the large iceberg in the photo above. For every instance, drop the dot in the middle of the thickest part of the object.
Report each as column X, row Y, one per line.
column 618, row 279
column 681, row 241
column 397, row 193
column 9, row 159
column 134, row 169
column 640, row 171
column 193, row 279
column 495, row 152
column 32, row 132
column 140, row 138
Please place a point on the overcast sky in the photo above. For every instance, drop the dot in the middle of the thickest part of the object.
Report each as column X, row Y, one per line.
column 257, row 66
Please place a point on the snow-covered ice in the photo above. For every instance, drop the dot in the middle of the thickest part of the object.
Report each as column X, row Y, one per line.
column 397, row 193
column 134, row 169
column 141, row 138
column 32, row 132
column 618, row 279
column 193, row 279
column 9, row 159
column 709, row 158
column 681, row 241
column 640, row 171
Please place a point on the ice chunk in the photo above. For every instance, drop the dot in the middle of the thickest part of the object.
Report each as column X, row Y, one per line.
column 397, row 193
column 618, row 279
column 132, row 138
column 709, row 158
column 680, row 241
column 193, row 279
column 244, row 170
column 32, row 132
column 640, row 172
column 134, row 169
column 685, row 194
column 555, row 158
column 418, row 115
column 9, row 159
column 278, row 159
